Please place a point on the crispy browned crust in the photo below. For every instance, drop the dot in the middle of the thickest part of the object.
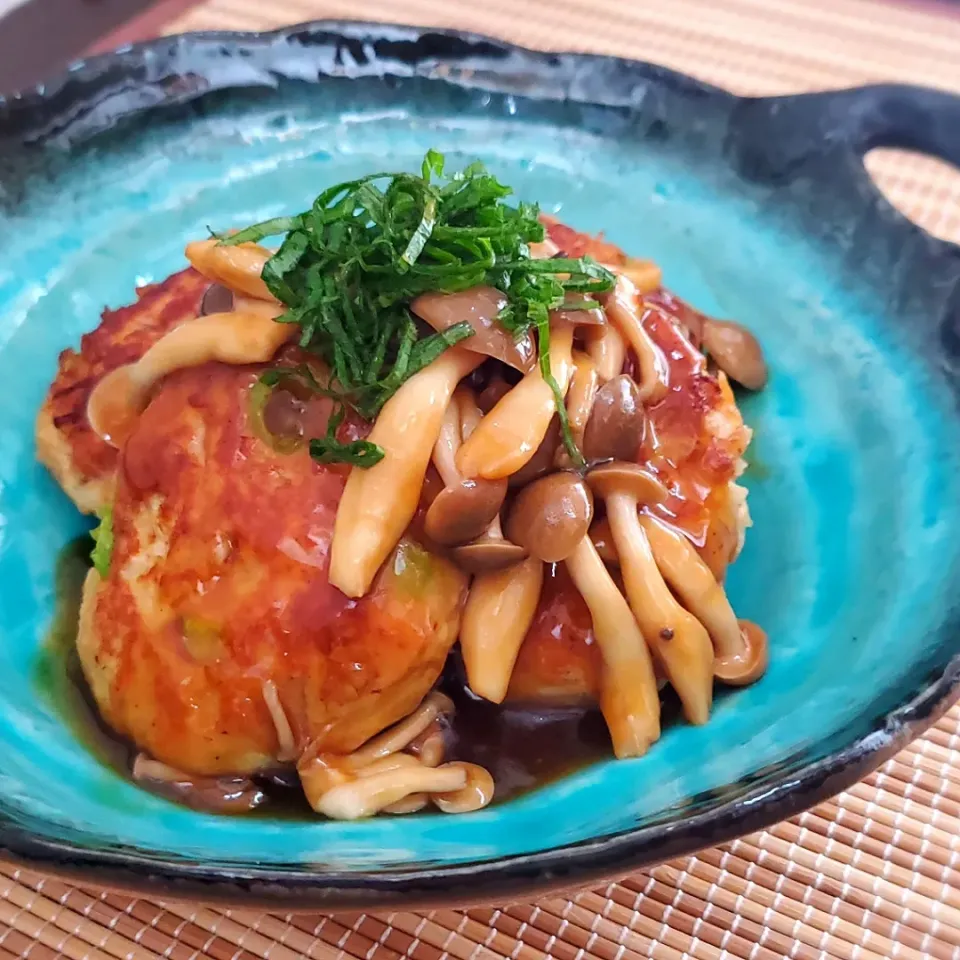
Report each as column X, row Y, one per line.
column 82, row 463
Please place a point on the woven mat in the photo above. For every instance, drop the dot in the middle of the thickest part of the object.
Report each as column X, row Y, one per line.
column 870, row 875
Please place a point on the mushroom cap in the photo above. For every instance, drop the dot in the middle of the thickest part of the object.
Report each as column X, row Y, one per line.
column 216, row 299
column 551, row 516
column 480, row 307
column 617, row 422
column 462, row 513
column 736, row 351
column 619, row 476
column 487, row 555
column 591, row 317
column 751, row 665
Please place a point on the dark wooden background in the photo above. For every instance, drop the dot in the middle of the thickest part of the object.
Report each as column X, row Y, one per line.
column 40, row 37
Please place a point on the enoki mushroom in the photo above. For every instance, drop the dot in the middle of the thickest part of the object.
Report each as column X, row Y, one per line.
column 400, row 771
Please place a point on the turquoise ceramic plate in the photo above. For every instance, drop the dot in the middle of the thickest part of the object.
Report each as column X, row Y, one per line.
column 757, row 209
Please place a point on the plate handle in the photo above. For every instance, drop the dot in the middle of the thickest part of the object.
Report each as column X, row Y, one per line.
column 773, row 137
column 899, row 116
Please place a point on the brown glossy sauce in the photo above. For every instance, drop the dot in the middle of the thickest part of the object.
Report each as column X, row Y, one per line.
column 523, row 747
column 58, row 679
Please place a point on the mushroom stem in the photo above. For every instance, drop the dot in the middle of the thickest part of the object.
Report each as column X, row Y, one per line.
column 508, row 436
column 286, row 742
column 448, row 442
column 628, row 698
column 499, row 611
column 580, row 396
column 238, row 268
column 751, row 665
column 645, row 275
column 622, row 308
column 403, row 733
column 370, row 795
column 413, row 803
column 678, row 639
column 470, row 412
column 378, row 503
column 694, row 583
column 248, row 334
column 607, row 349
column 429, row 747
column 476, row 793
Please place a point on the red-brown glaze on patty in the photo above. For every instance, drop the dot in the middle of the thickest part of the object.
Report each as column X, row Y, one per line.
column 218, row 583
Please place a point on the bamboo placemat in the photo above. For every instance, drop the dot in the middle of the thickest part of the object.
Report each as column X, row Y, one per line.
column 870, row 875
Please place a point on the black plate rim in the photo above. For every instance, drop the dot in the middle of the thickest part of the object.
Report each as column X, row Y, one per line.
column 38, row 114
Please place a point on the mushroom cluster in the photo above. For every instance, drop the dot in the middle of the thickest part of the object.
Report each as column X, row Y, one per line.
column 511, row 501
column 487, row 465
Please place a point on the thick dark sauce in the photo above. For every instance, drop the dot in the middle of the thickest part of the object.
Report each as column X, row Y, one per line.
column 522, row 747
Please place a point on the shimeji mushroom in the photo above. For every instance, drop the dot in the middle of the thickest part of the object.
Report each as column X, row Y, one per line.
column 249, row 333
column 385, row 784
column 402, row 734
column 429, row 747
column 550, row 516
column 464, row 509
column 379, row 777
column 238, row 267
column 607, row 349
column 679, row 640
column 628, row 697
column 623, row 310
column 481, row 308
column 740, row 649
column 617, row 423
column 466, row 513
column 476, row 793
column 378, row 503
column 509, row 435
column 645, row 275
column 500, row 608
column 506, row 589
column 736, row 351
column 694, row 583
column 581, row 394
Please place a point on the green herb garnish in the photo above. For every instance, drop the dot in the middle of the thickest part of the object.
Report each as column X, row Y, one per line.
column 326, row 449
column 348, row 269
column 102, row 542
column 358, row 453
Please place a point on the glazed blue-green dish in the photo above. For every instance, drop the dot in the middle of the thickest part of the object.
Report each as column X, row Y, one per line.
column 759, row 210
